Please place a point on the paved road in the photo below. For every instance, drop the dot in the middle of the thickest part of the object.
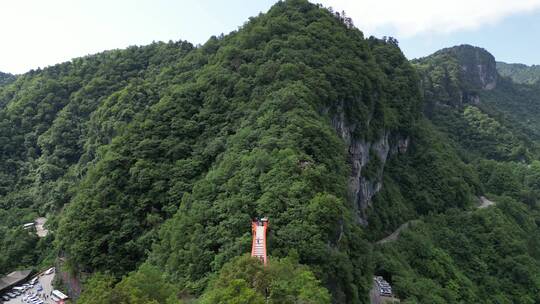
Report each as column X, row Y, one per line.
column 46, row 282
column 484, row 202
column 40, row 230
column 395, row 235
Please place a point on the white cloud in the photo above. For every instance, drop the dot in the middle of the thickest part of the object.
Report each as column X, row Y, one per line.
column 412, row 17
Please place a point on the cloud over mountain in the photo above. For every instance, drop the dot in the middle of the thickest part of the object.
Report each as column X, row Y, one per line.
column 413, row 17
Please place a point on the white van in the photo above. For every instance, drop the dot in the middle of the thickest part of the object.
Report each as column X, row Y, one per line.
column 50, row 271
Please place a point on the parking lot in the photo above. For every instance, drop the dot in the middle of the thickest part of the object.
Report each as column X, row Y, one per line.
column 381, row 292
column 45, row 281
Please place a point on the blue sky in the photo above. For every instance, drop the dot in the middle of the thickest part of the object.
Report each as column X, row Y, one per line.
column 513, row 40
column 37, row 33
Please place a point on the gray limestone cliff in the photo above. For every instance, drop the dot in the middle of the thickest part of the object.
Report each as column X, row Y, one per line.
column 478, row 68
column 456, row 76
column 361, row 153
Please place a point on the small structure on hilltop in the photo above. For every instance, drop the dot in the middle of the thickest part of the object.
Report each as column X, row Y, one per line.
column 259, row 226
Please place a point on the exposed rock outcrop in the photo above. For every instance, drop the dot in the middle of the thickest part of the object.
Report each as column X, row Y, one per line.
column 478, row 66
column 362, row 187
column 456, row 76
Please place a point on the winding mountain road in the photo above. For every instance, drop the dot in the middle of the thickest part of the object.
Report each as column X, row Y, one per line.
column 484, row 202
column 395, row 235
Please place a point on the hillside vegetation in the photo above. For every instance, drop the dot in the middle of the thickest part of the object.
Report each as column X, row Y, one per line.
column 473, row 255
column 519, row 73
column 150, row 163
column 6, row 78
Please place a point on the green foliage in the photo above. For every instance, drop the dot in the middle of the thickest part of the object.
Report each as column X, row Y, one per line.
column 441, row 80
column 456, row 76
column 242, row 127
column 483, row 135
column 48, row 131
column 429, row 178
column 283, row 281
column 519, row 73
column 6, row 78
column 168, row 151
column 145, row 286
column 20, row 248
column 236, row 292
column 150, row 163
column 476, row 257
column 17, row 249
column 98, row 290
column 519, row 104
column 475, row 142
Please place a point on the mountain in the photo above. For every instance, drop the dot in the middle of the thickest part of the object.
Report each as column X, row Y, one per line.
column 6, row 78
column 50, row 132
column 150, row 163
column 167, row 149
column 455, row 76
column 494, row 107
column 470, row 254
column 519, row 73
column 258, row 122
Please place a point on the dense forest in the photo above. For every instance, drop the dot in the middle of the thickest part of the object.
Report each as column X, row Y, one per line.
column 150, row 162
column 519, row 73
column 465, row 253
column 6, row 78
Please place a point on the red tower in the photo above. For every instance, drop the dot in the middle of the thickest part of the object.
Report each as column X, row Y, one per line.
column 258, row 247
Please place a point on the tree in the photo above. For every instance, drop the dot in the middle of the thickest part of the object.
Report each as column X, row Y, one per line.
column 282, row 281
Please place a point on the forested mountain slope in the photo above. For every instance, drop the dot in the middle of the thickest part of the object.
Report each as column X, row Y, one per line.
column 150, row 163
column 52, row 123
column 484, row 116
column 519, row 73
column 6, row 78
column 487, row 255
column 243, row 126
column 249, row 133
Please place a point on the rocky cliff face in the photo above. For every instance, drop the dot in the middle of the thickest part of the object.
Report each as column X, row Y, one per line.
column 6, row 78
column 456, row 76
column 452, row 77
column 361, row 153
column 478, row 67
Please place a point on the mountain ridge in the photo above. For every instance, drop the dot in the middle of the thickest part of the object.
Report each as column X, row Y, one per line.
column 6, row 78
column 150, row 163
column 519, row 73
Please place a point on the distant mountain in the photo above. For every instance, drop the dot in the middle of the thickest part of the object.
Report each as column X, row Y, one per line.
column 465, row 77
column 455, row 76
column 490, row 124
column 519, row 73
column 6, row 78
